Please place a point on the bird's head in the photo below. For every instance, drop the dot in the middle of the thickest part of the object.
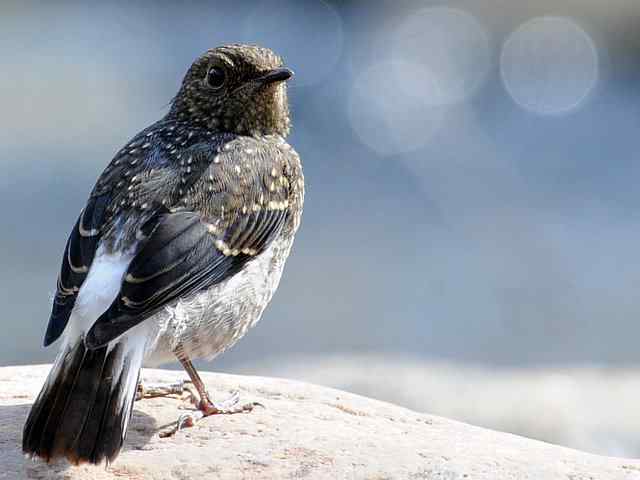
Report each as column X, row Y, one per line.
column 236, row 88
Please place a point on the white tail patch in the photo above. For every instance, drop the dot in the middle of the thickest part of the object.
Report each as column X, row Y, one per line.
column 97, row 293
column 134, row 344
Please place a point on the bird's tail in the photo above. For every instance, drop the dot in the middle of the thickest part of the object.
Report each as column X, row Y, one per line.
column 84, row 408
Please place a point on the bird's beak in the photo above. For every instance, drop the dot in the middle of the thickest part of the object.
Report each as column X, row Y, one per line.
column 276, row 75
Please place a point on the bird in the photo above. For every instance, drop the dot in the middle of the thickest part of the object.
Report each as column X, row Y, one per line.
column 177, row 252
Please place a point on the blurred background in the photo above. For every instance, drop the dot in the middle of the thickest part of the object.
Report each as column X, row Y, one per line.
column 470, row 239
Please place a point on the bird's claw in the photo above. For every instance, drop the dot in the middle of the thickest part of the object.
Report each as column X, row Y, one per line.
column 207, row 408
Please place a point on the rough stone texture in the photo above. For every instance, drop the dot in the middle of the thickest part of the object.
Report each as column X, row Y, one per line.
column 587, row 407
column 305, row 431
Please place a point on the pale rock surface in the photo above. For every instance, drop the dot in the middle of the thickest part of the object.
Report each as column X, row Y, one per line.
column 587, row 407
column 305, row 431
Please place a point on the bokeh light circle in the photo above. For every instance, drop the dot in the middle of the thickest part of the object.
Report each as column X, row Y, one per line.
column 549, row 65
column 452, row 44
column 392, row 118
column 309, row 35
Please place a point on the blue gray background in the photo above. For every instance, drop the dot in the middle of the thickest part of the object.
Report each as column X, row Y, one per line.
column 472, row 168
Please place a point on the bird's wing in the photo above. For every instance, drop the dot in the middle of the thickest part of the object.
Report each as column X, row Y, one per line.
column 76, row 262
column 113, row 186
column 181, row 257
column 240, row 210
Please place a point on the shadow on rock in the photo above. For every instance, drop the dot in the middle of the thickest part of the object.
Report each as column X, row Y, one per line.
column 15, row 466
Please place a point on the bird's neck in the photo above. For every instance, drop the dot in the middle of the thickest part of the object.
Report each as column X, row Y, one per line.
column 269, row 116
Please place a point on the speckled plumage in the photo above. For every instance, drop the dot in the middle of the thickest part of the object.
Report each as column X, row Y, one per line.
column 189, row 162
column 247, row 176
column 191, row 224
column 227, row 180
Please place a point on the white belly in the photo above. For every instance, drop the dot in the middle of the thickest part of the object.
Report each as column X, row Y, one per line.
column 208, row 322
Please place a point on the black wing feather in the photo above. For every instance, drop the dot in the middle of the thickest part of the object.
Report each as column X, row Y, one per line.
column 76, row 261
column 182, row 257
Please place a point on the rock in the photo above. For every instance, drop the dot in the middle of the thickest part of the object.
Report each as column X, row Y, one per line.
column 305, row 431
column 585, row 407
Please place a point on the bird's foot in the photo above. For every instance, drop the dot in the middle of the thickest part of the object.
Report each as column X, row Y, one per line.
column 206, row 408
column 154, row 390
column 229, row 406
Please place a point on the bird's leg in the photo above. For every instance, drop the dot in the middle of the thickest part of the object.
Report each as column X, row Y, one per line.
column 204, row 404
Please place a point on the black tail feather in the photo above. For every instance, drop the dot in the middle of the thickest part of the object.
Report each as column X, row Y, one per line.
column 49, row 403
column 85, row 391
column 83, row 409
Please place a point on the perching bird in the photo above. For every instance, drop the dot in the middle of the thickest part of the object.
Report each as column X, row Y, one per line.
column 177, row 252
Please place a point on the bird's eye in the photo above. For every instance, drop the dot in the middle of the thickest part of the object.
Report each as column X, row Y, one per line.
column 216, row 77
